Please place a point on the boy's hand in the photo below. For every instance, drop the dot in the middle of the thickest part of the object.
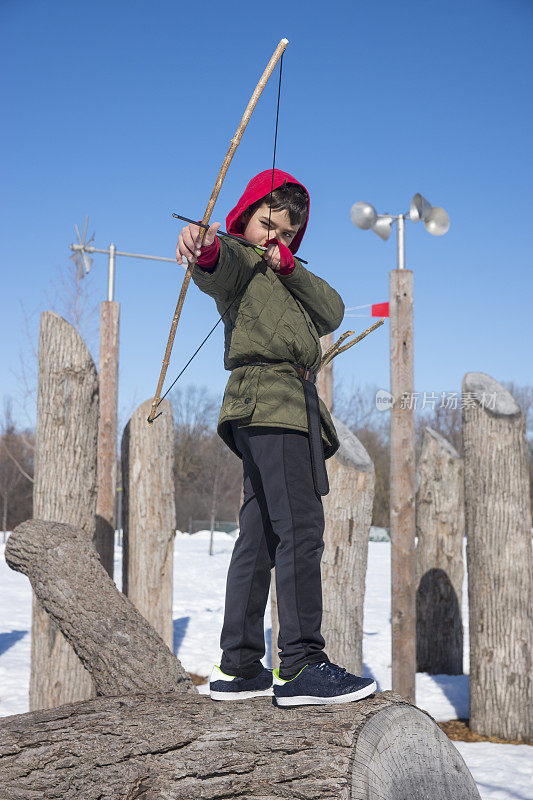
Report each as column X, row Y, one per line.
column 272, row 257
column 190, row 241
column 278, row 257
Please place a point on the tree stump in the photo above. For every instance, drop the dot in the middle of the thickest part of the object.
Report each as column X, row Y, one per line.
column 119, row 649
column 348, row 513
column 149, row 515
column 439, row 557
column 64, row 489
column 348, row 516
column 500, row 562
column 180, row 747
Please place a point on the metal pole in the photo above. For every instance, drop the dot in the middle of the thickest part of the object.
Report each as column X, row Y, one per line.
column 77, row 248
column 401, row 241
column 111, row 273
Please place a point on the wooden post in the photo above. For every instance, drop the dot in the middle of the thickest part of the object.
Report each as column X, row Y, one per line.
column 348, row 514
column 149, row 516
column 402, row 485
column 324, row 381
column 107, row 434
column 500, row 563
column 64, row 490
column 440, row 528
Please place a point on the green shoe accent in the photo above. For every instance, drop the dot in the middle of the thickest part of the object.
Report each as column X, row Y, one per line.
column 287, row 680
column 223, row 673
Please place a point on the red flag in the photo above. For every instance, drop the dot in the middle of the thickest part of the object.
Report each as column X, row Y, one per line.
column 380, row 310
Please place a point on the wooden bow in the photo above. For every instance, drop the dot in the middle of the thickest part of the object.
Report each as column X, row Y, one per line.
column 205, row 219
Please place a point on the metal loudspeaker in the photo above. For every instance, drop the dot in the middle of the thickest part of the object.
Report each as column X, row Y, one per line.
column 363, row 215
column 383, row 226
column 434, row 218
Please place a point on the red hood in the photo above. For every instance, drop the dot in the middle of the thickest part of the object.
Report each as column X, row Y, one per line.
column 258, row 188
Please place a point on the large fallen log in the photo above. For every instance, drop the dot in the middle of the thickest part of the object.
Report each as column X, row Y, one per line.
column 180, row 747
column 116, row 645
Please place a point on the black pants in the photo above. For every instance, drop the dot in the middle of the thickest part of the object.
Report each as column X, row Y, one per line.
column 281, row 524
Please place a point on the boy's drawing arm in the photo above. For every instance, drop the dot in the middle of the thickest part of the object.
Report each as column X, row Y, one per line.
column 223, row 278
column 323, row 304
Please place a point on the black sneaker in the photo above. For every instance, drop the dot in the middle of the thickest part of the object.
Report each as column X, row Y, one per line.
column 321, row 684
column 228, row 687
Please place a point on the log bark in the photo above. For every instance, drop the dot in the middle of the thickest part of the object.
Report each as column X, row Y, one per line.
column 348, row 516
column 107, row 434
column 119, row 649
column 176, row 747
column 500, row 562
column 439, row 557
column 402, row 485
column 149, row 515
column 64, row 489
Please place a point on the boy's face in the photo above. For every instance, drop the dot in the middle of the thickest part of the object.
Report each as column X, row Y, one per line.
column 257, row 230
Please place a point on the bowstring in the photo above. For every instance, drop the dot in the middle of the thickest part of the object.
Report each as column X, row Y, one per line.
column 254, row 271
column 275, row 145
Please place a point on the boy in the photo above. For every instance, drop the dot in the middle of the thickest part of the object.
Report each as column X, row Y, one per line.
column 274, row 314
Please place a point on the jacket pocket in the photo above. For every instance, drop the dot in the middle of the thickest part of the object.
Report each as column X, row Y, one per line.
column 240, row 398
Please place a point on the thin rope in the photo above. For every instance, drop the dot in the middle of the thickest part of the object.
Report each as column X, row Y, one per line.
column 254, row 271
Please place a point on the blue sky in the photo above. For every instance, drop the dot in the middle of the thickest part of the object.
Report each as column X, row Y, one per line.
column 124, row 111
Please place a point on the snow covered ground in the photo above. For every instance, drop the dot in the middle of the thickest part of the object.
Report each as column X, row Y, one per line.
column 501, row 771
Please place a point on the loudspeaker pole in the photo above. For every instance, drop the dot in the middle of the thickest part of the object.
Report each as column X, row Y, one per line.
column 402, row 433
column 402, row 477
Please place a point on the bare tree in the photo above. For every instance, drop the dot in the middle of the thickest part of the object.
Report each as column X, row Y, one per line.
column 16, row 470
column 9, row 474
column 524, row 397
column 200, row 456
column 444, row 420
column 356, row 407
column 72, row 298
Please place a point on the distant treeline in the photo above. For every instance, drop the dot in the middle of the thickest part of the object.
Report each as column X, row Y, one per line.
column 200, row 455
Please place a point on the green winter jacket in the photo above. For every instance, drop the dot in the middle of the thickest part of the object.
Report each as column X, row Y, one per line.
column 276, row 318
